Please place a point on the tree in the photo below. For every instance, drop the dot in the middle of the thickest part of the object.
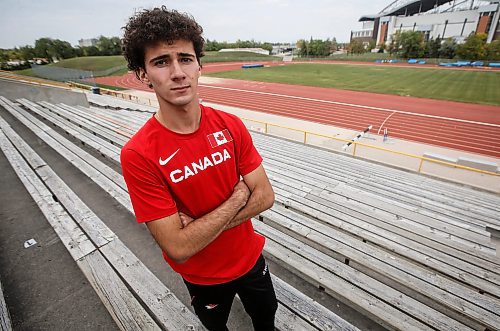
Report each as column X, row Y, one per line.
column 395, row 43
column 44, row 47
column 334, row 46
column 493, row 51
column 27, row 52
column 432, row 48
column 371, row 45
column 109, row 46
column 302, row 47
column 356, row 47
column 90, row 51
column 412, row 44
column 4, row 57
column 474, row 47
column 315, row 47
column 63, row 49
column 448, row 48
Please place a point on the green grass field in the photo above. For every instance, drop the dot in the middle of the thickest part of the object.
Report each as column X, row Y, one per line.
column 456, row 85
column 92, row 63
column 236, row 56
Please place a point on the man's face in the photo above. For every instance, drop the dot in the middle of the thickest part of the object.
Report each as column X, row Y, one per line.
column 173, row 71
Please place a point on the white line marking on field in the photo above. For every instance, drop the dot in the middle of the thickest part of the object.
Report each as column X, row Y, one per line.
column 382, row 125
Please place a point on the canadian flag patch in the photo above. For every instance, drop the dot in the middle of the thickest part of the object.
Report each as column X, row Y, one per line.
column 219, row 138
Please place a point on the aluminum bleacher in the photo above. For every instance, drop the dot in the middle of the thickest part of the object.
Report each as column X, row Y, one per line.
column 407, row 251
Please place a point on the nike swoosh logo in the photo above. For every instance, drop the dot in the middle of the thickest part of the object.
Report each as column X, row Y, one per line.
column 163, row 162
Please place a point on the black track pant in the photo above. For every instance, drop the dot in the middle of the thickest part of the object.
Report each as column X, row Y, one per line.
column 212, row 303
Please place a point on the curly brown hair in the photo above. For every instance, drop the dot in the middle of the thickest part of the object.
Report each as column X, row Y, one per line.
column 158, row 25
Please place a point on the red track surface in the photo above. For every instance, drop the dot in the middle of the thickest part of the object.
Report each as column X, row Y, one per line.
column 469, row 127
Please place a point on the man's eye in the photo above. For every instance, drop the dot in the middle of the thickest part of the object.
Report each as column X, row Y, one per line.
column 160, row 62
column 186, row 60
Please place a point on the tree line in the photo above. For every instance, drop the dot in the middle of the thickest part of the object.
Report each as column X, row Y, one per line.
column 406, row 44
column 54, row 50
column 214, row 45
column 412, row 44
column 317, row 47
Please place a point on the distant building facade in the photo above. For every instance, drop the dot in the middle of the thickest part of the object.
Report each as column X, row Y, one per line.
column 434, row 18
column 87, row 42
column 283, row 49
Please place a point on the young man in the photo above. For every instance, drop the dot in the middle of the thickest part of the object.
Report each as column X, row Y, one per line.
column 183, row 168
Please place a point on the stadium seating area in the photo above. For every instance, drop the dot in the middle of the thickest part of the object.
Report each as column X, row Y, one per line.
column 406, row 251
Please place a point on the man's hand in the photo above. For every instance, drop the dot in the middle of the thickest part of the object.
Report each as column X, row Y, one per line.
column 241, row 191
column 185, row 219
column 261, row 197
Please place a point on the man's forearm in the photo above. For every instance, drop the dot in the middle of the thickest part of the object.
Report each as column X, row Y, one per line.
column 180, row 241
column 259, row 200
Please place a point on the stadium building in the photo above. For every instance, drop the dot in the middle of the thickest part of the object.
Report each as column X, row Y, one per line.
column 434, row 18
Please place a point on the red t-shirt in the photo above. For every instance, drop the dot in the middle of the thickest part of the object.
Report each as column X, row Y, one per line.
column 168, row 172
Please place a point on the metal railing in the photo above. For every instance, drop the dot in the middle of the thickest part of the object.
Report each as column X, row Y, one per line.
column 305, row 134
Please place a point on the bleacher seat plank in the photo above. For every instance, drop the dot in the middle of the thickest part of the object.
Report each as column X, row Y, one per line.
column 101, row 129
column 366, row 203
column 99, row 144
column 438, row 291
column 329, row 201
column 287, row 173
column 99, row 233
column 5, row 321
column 307, row 308
column 447, row 264
column 363, row 293
column 384, row 187
column 112, row 102
column 287, row 320
column 359, row 169
column 161, row 301
column 452, row 227
column 113, row 119
column 121, row 304
column 110, row 180
column 71, row 235
column 95, row 118
column 58, row 115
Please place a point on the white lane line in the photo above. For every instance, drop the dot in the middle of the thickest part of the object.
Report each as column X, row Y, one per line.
column 382, row 125
column 352, row 105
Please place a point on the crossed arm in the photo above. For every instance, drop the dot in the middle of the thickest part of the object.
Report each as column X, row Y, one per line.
column 182, row 237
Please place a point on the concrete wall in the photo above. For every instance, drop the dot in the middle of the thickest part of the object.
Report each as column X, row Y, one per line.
column 15, row 90
column 437, row 22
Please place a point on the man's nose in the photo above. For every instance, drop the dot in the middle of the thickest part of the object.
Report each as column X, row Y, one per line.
column 176, row 71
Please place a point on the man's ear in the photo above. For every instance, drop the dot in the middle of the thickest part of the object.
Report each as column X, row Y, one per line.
column 143, row 77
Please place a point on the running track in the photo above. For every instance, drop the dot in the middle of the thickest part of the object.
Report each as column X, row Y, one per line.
column 462, row 126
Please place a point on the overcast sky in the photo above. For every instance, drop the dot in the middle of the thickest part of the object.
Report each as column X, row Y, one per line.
column 24, row 21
